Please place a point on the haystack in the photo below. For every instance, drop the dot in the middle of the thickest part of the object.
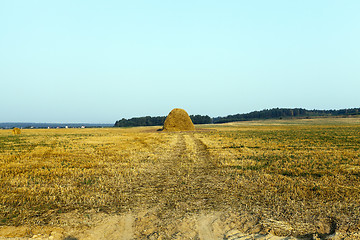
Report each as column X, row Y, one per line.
column 178, row 120
column 16, row 131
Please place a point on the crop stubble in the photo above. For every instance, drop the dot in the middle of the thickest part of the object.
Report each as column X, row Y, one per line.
column 288, row 180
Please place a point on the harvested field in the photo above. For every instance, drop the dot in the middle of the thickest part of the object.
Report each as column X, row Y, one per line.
column 233, row 181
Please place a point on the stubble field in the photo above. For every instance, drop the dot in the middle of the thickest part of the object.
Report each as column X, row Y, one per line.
column 298, row 178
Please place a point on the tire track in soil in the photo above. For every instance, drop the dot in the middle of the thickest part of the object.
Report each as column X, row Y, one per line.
column 187, row 167
column 182, row 185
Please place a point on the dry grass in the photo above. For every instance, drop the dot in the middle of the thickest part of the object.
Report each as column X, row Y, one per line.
column 44, row 172
column 295, row 179
column 301, row 175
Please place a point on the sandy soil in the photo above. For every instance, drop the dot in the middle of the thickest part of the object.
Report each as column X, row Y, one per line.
column 146, row 225
column 140, row 226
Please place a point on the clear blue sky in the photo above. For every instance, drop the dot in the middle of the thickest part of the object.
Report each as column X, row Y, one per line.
column 100, row 61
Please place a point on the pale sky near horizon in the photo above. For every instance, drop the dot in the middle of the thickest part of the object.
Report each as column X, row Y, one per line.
column 100, row 61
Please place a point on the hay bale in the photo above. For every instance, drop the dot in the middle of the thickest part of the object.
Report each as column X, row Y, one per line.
column 178, row 120
column 16, row 131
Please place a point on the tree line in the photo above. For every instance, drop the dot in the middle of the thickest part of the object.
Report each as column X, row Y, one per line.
column 274, row 113
column 277, row 113
column 157, row 121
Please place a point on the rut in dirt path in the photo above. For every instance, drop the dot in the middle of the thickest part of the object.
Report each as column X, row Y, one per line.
column 184, row 183
column 181, row 178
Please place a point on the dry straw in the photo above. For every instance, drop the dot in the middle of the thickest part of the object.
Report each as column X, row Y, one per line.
column 16, row 131
column 178, row 120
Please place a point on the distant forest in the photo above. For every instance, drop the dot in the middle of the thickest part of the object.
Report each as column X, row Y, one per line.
column 157, row 121
column 275, row 113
